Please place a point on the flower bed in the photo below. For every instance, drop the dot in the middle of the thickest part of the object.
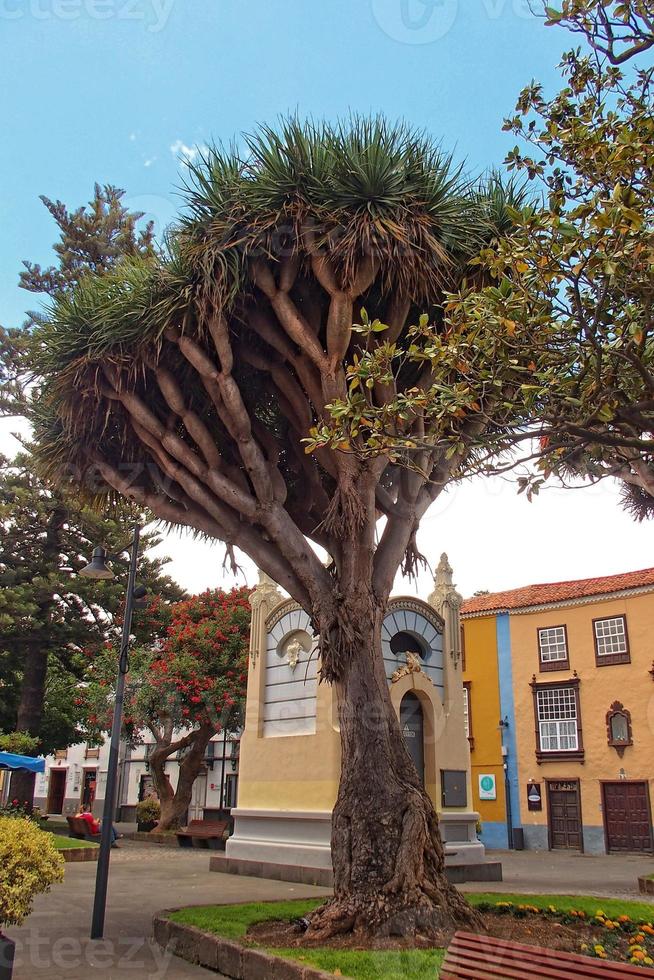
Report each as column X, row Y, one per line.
column 623, row 938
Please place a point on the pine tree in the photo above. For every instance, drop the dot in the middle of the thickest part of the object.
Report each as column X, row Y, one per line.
column 50, row 619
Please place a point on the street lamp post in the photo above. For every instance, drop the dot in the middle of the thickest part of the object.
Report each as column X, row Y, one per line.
column 98, row 569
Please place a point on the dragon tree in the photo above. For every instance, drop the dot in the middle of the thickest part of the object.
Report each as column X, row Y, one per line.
column 210, row 383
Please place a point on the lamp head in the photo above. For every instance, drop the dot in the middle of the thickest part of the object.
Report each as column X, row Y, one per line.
column 97, row 567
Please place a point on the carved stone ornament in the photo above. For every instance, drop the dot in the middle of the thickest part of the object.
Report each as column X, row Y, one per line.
column 412, row 666
column 265, row 590
column 447, row 601
column 294, row 651
column 262, row 598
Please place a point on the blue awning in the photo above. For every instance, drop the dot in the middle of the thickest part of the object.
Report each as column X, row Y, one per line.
column 10, row 761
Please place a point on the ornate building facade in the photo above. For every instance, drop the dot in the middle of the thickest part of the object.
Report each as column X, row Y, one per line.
column 290, row 748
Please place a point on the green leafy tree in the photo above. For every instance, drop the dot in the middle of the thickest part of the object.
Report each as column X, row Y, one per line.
column 216, row 362
column 572, row 281
column 183, row 689
column 51, row 619
column 92, row 239
column 617, row 30
column 13, row 397
column 566, row 297
column 47, row 616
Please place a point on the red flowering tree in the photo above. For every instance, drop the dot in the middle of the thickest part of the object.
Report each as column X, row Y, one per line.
column 183, row 688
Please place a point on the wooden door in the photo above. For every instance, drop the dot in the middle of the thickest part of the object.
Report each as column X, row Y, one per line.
column 564, row 814
column 627, row 816
column 56, row 790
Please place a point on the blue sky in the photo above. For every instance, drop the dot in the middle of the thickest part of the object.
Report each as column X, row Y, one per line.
column 102, row 89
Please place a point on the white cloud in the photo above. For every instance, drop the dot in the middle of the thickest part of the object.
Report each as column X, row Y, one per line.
column 149, row 161
column 187, row 154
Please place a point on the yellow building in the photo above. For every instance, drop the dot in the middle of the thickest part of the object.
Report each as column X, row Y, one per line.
column 290, row 747
column 483, row 711
column 562, row 697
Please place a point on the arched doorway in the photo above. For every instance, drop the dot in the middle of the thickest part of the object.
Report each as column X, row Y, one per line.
column 412, row 725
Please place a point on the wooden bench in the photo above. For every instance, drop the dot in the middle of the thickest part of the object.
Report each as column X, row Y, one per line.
column 79, row 829
column 473, row 957
column 203, row 833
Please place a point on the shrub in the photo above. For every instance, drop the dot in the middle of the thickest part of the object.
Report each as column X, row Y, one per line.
column 19, row 743
column 14, row 808
column 148, row 810
column 29, row 864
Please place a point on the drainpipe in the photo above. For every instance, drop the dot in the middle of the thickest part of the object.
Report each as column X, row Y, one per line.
column 504, row 724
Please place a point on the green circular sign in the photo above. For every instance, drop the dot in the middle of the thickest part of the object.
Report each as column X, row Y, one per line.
column 487, row 783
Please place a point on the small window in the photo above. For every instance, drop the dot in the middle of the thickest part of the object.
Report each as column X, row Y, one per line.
column 467, row 716
column 553, row 648
column 558, row 721
column 61, row 754
column 92, row 753
column 611, row 642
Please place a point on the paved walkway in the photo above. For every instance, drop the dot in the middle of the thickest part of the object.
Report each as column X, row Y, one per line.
column 145, row 878
column 569, row 873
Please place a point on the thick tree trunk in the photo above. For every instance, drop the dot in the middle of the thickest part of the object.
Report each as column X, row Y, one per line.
column 175, row 803
column 30, row 712
column 386, row 848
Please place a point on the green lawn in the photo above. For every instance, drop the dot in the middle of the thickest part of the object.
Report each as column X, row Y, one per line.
column 233, row 922
column 66, row 843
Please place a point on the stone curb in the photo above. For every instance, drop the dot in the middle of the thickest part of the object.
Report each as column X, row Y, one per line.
column 75, row 854
column 145, row 837
column 646, row 886
column 227, row 956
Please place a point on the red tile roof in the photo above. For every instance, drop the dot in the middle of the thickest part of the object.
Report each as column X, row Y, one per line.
column 538, row 595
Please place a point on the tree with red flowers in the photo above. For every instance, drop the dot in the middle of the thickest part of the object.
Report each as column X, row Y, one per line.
column 183, row 688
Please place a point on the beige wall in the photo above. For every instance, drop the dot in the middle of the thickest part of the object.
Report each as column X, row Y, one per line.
column 301, row 772
column 632, row 683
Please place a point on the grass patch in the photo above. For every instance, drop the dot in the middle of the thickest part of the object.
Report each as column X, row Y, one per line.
column 69, row 843
column 233, row 922
column 384, row 964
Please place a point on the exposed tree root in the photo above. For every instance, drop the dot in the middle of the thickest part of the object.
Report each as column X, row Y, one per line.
column 417, row 901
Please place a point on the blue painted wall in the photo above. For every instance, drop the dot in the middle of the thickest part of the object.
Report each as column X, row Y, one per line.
column 508, row 710
column 494, row 835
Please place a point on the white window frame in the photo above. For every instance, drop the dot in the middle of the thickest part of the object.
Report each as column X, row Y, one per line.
column 552, row 645
column 610, row 634
column 558, row 719
column 466, row 711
